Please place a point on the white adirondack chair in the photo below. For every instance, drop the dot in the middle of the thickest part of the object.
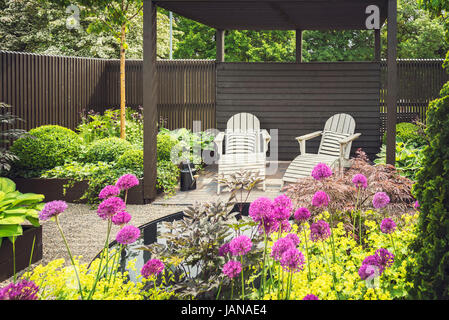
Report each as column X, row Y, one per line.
column 246, row 146
column 334, row 150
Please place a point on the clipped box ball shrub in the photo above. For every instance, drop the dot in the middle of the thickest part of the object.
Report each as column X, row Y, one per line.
column 408, row 133
column 131, row 159
column 107, row 150
column 47, row 147
column 165, row 144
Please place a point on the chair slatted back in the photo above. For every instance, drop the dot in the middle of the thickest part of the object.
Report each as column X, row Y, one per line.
column 337, row 127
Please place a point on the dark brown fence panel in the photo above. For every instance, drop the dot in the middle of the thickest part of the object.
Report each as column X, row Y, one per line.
column 186, row 90
column 298, row 98
column 420, row 81
column 50, row 89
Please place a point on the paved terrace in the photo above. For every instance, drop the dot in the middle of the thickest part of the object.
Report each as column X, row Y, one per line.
column 206, row 189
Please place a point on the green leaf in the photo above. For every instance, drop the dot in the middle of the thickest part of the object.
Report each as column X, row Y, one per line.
column 10, row 230
column 7, row 185
column 13, row 219
column 28, row 198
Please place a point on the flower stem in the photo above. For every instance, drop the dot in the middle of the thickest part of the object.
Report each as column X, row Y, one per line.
column 329, row 268
column 309, row 274
column 14, row 258
column 243, row 282
column 70, row 255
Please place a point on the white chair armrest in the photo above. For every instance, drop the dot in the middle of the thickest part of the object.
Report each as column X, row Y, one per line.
column 309, row 136
column 266, row 140
column 219, row 142
column 302, row 140
column 349, row 139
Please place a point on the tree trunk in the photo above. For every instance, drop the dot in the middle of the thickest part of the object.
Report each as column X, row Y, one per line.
column 122, row 83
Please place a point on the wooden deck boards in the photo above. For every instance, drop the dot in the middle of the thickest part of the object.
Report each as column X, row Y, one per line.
column 207, row 188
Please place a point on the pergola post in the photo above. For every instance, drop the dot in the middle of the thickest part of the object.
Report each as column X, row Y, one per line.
column 392, row 79
column 377, row 45
column 220, row 40
column 150, row 87
column 298, row 46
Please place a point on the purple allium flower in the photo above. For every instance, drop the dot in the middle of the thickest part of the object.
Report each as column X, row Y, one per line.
column 128, row 234
column 371, row 260
column 280, row 246
column 23, row 290
column 416, row 205
column 320, row 199
column 232, row 269
column 321, row 171
column 109, row 207
column 121, row 218
column 152, row 268
column 282, row 207
column 109, row 191
column 360, row 181
column 380, row 200
column 385, row 258
column 240, row 245
column 261, row 209
column 367, row 270
column 292, row 260
column 302, row 214
column 284, row 226
column 319, row 231
column 387, row 225
column 224, row 250
column 127, row 181
column 294, row 238
column 269, row 226
column 52, row 209
column 310, row 297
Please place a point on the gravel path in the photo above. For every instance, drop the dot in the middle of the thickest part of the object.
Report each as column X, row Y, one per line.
column 86, row 232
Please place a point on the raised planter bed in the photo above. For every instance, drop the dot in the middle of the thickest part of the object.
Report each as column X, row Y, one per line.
column 24, row 244
column 53, row 189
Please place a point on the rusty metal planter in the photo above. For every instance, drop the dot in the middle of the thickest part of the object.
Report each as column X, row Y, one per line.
column 23, row 247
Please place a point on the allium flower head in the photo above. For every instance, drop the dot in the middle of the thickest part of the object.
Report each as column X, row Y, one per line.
column 320, row 199
column 109, row 207
column 240, row 245
column 380, row 200
column 292, row 260
column 224, row 250
column 121, row 218
column 319, row 231
column 127, row 181
column 367, row 270
column 109, row 191
column 284, row 226
column 152, row 268
column 360, row 181
column 280, row 246
column 387, row 225
column 261, row 209
column 294, row 238
column 385, row 258
column 52, row 209
column 282, row 207
column 302, row 214
column 23, row 290
column 310, row 297
column 127, row 235
column 232, row 269
column 321, row 171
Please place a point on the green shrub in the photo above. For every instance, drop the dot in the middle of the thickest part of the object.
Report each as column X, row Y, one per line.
column 46, row 147
column 408, row 133
column 107, row 150
column 167, row 176
column 165, row 144
column 430, row 273
column 131, row 159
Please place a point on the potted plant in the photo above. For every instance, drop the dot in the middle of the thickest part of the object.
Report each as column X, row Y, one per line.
column 20, row 244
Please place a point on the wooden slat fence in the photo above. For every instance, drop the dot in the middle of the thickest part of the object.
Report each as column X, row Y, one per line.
column 420, row 81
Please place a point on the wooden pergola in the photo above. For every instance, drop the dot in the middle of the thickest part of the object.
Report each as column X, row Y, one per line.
column 296, row 15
